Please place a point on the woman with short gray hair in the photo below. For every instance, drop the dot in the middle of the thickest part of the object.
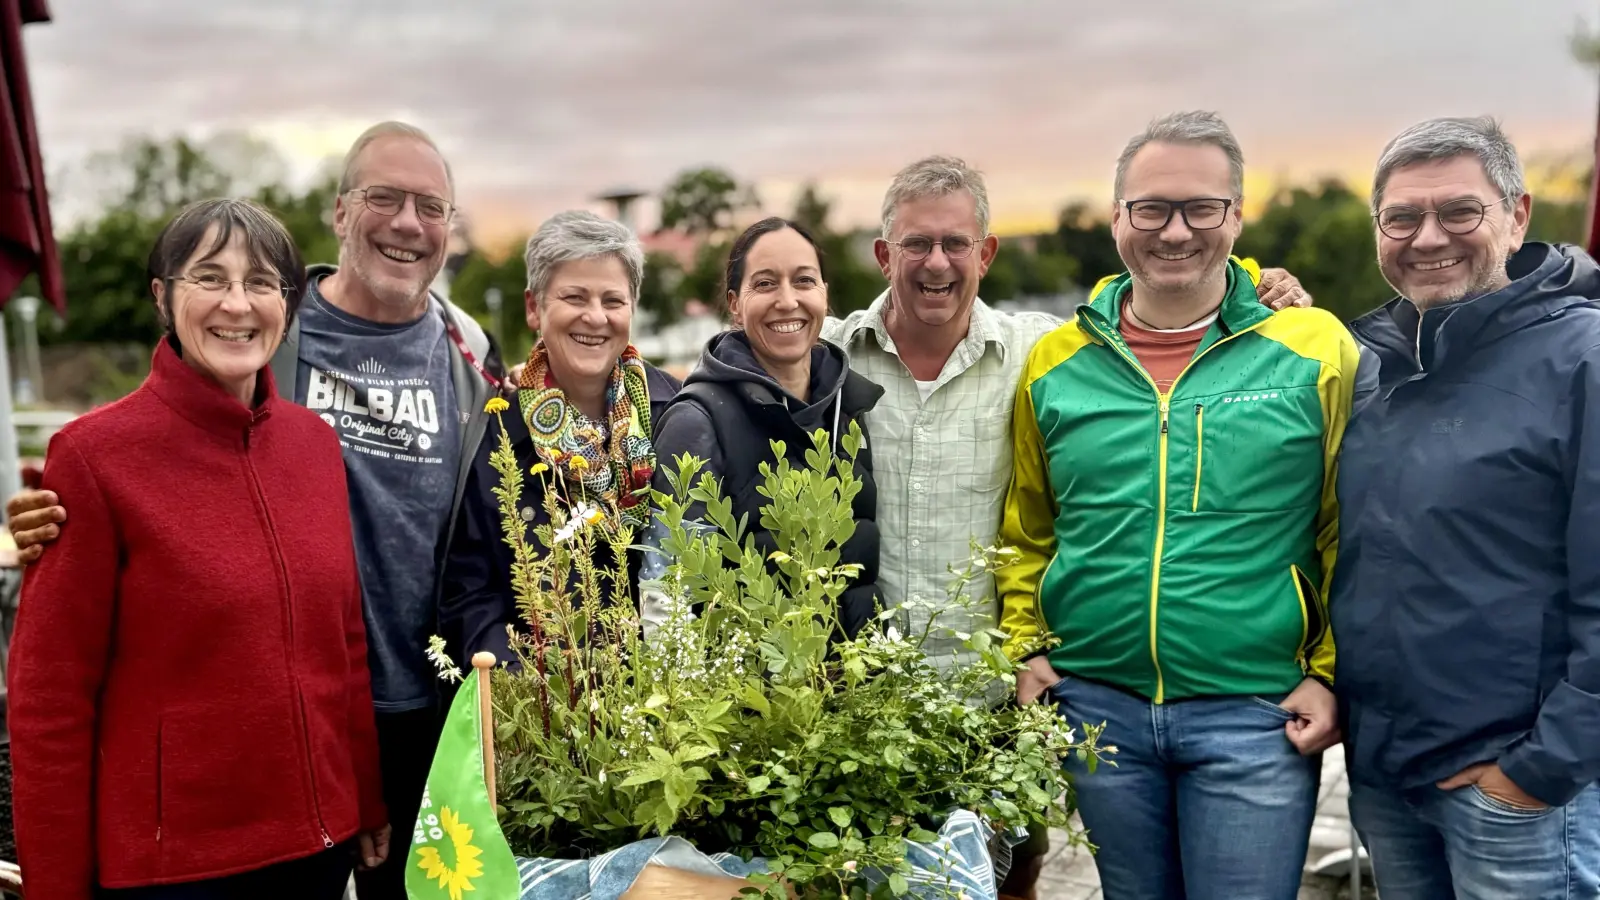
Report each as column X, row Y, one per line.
column 584, row 406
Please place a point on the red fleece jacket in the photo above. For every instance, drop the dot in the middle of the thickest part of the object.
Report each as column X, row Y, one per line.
column 189, row 694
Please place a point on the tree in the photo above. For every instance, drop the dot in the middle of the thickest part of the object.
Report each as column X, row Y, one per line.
column 1324, row 236
column 143, row 185
column 703, row 280
column 811, row 210
column 480, row 273
column 852, row 283
column 703, row 201
column 1086, row 237
column 658, row 291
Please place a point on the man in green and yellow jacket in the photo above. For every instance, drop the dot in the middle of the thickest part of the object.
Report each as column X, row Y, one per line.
column 1173, row 502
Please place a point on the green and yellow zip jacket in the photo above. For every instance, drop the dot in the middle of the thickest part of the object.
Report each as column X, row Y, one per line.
column 1179, row 544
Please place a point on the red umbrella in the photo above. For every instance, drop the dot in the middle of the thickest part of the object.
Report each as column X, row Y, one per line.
column 27, row 244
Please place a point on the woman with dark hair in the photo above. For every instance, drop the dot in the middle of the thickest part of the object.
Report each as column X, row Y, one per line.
column 773, row 378
column 190, row 706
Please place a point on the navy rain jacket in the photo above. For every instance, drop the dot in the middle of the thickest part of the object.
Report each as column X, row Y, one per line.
column 1466, row 598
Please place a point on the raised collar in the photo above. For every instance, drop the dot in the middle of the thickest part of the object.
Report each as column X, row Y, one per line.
column 984, row 328
column 202, row 401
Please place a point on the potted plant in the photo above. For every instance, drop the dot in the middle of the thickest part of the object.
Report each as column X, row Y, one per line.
column 743, row 736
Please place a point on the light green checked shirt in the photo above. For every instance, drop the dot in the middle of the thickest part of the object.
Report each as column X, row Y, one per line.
column 943, row 464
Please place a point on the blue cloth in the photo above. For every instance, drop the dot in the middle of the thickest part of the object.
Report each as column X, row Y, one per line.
column 958, row 863
column 386, row 390
column 1428, row 844
column 1466, row 599
column 1205, row 799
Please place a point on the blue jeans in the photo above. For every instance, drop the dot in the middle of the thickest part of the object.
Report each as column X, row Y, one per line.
column 1204, row 799
column 1428, row 844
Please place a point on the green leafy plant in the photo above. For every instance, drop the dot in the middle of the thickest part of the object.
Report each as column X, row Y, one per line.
column 745, row 722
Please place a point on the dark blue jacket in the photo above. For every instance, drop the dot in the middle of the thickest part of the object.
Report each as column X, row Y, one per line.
column 1466, row 600
column 476, row 600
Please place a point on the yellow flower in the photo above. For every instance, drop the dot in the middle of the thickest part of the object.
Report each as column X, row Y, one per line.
column 496, row 405
column 538, row 469
column 467, row 864
column 579, row 463
column 593, row 516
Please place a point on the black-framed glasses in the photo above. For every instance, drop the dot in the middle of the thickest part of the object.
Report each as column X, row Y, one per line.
column 255, row 285
column 1199, row 214
column 388, row 201
column 956, row 246
column 1457, row 217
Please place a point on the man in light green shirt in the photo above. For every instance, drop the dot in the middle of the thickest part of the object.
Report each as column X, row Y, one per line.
column 949, row 365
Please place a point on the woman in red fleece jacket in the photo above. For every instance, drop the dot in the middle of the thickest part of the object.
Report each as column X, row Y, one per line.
column 190, row 707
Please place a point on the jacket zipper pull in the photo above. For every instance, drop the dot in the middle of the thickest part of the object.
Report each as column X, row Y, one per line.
column 326, row 841
column 1163, row 417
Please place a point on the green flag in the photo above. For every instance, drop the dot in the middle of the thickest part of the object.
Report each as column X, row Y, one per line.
column 457, row 849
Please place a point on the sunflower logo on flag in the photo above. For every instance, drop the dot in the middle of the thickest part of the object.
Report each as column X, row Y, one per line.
column 458, row 877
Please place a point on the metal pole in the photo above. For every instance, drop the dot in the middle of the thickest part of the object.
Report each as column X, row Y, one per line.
column 30, row 374
column 10, row 464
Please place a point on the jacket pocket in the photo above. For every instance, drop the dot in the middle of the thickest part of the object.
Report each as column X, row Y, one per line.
column 1199, row 450
column 1313, row 617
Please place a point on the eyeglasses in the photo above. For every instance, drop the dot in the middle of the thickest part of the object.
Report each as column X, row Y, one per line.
column 1456, row 217
column 256, row 285
column 388, row 201
column 956, row 246
column 1200, row 214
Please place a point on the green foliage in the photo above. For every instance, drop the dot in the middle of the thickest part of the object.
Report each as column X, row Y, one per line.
column 658, row 291
column 743, row 727
column 1324, row 236
column 702, row 201
column 471, row 286
column 1018, row 271
column 103, row 260
column 1086, row 237
column 852, row 283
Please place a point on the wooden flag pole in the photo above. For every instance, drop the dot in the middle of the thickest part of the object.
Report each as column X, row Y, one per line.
column 483, row 662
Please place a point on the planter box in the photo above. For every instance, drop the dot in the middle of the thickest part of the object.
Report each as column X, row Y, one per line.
column 960, row 862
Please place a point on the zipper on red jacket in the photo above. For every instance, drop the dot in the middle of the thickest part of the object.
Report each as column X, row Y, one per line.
column 294, row 671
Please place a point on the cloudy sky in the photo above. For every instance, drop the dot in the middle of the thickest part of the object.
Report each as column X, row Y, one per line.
column 541, row 104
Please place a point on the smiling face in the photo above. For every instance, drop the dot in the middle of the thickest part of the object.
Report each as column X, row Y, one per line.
column 584, row 318
column 1434, row 266
column 936, row 290
column 1176, row 258
column 228, row 331
column 394, row 258
column 781, row 300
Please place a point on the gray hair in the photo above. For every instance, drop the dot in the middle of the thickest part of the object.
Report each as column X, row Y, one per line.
column 1447, row 138
column 578, row 234
column 381, row 130
column 1194, row 127
column 936, row 176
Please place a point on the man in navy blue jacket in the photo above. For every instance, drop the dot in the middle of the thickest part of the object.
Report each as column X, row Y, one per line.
column 1466, row 602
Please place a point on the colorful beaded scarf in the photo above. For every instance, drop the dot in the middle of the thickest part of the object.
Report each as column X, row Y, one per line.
column 617, row 471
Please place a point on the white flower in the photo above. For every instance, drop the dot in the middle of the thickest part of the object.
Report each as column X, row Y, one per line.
column 568, row 531
column 894, row 634
column 602, row 776
column 850, row 866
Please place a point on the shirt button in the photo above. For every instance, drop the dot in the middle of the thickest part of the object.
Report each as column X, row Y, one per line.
column 916, row 543
column 916, row 485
